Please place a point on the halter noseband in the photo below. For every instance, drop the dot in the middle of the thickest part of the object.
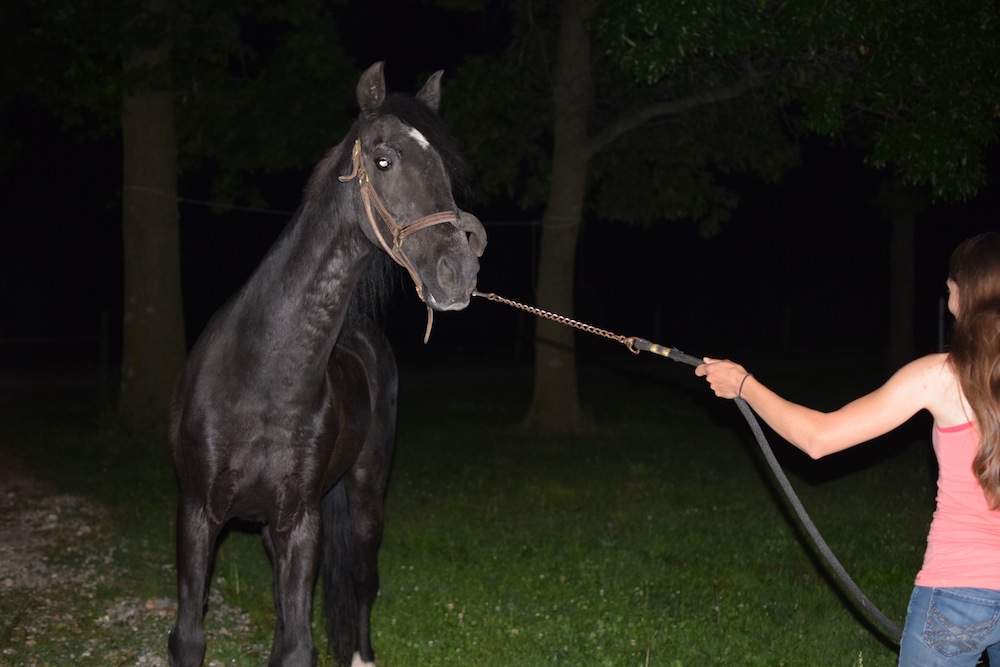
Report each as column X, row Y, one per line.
column 371, row 199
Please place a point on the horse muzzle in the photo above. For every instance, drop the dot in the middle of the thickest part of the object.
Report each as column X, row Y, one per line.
column 449, row 283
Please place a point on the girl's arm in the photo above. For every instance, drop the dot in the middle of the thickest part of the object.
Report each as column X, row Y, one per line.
column 913, row 388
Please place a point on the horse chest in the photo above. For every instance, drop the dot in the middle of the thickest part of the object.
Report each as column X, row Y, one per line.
column 276, row 448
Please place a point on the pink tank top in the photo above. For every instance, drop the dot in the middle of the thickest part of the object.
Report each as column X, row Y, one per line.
column 963, row 545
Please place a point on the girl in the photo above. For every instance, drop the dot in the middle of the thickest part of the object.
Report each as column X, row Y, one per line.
column 954, row 612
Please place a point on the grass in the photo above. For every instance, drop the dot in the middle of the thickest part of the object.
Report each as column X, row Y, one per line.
column 659, row 539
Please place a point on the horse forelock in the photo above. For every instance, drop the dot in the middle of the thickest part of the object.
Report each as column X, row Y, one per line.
column 416, row 115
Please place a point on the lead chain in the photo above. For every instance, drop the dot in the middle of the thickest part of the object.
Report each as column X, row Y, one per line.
column 627, row 341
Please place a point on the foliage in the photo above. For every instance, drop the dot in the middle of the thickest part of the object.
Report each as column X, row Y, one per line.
column 276, row 92
column 680, row 167
column 506, row 122
column 890, row 74
column 77, row 51
column 498, row 107
column 258, row 86
column 917, row 79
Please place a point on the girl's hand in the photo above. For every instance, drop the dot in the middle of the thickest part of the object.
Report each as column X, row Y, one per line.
column 724, row 377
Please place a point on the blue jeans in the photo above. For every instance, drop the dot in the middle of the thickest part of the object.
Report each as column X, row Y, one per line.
column 951, row 627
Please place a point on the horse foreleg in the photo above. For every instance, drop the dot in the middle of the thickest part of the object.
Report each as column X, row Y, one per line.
column 275, row 657
column 195, row 539
column 294, row 554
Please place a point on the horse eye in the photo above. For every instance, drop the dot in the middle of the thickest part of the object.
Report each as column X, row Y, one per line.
column 383, row 163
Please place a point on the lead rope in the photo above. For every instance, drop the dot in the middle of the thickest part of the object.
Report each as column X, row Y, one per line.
column 636, row 345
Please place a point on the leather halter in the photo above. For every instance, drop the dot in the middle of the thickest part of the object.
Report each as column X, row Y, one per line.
column 371, row 200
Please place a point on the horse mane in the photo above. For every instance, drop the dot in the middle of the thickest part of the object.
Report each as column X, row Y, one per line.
column 323, row 177
column 371, row 297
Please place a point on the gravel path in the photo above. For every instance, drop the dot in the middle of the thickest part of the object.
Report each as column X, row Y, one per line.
column 61, row 586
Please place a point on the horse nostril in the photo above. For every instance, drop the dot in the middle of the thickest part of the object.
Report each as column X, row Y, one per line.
column 447, row 271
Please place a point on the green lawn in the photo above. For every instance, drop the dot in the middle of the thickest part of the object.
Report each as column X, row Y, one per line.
column 659, row 539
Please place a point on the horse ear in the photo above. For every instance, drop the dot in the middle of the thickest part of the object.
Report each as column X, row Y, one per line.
column 430, row 94
column 371, row 88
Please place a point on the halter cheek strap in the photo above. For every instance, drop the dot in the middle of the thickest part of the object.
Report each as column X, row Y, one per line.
column 371, row 200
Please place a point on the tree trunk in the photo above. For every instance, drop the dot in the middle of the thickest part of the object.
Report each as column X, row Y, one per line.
column 902, row 288
column 153, row 328
column 555, row 405
column 901, row 205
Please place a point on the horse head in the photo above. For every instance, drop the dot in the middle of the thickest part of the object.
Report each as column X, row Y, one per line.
column 408, row 170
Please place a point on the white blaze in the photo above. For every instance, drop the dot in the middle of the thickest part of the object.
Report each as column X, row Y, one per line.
column 421, row 139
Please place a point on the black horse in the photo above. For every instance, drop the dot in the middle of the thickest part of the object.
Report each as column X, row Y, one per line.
column 285, row 413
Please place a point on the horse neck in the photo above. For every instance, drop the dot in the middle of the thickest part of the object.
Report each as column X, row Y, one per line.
column 303, row 288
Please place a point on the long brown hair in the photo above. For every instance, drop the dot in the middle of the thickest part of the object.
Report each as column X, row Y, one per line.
column 975, row 349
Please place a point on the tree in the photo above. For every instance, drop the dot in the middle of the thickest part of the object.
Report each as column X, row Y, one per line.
column 711, row 88
column 573, row 109
column 922, row 104
column 153, row 323
column 219, row 90
column 892, row 72
column 901, row 205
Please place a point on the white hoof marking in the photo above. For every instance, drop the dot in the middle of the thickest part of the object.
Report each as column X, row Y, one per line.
column 358, row 662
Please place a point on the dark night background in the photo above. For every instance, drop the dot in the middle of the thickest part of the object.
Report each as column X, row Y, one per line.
column 801, row 269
